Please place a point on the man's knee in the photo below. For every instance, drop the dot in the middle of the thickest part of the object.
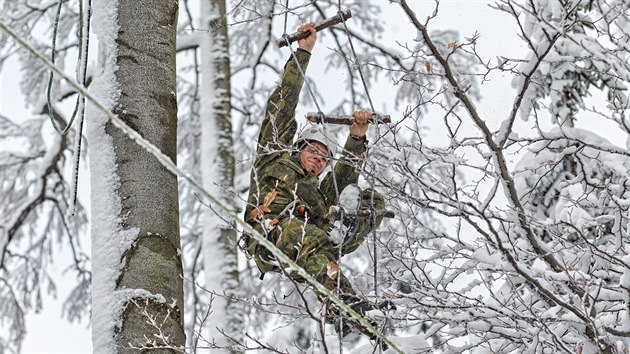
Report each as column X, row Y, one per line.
column 303, row 240
column 311, row 250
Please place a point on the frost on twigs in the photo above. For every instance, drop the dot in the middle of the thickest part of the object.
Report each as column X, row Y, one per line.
column 159, row 323
column 532, row 222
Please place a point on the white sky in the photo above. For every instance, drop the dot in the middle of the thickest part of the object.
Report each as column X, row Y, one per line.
column 48, row 333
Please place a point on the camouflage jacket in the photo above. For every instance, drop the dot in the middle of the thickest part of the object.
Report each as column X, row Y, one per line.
column 279, row 185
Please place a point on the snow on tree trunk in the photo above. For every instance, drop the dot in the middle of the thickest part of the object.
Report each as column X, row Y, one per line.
column 137, row 281
column 218, row 245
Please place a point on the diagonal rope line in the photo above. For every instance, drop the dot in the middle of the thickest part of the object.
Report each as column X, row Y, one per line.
column 334, row 179
column 172, row 167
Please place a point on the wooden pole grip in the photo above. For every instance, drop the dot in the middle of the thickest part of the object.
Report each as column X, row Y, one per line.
column 315, row 117
column 337, row 212
column 282, row 41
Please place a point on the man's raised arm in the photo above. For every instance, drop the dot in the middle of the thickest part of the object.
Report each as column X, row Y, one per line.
column 346, row 170
column 279, row 125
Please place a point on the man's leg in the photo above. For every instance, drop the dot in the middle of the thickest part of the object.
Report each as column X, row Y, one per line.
column 310, row 247
column 312, row 250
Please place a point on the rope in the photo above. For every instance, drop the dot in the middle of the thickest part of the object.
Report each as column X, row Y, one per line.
column 339, row 255
column 66, row 129
column 286, row 16
column 356, row 58
column 373, row 214
column 83, row 74
column 367, row 92
column 375, row 253
column 285, row 36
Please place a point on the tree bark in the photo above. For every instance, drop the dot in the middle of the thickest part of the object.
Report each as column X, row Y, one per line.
column 148, row 103
column 219, row 238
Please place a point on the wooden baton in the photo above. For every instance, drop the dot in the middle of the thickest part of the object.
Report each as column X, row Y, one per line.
column 315, row 117
column 338, row 212
column 282, row 41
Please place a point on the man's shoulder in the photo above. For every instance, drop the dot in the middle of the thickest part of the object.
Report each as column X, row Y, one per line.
column 285, row 168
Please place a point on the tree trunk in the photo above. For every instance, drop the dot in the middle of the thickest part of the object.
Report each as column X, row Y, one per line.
column 142, row 294
column 217, row 156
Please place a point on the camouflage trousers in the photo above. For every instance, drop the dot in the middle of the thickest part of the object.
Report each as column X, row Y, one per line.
column 311, row 248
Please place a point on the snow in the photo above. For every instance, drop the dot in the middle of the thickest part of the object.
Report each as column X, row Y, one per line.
column 410, row 344
column 482, row 255
column 624, row 283
column 109, row 240
column 350, row 198
column 37, row 171
column 504, row 131
column 214, row 261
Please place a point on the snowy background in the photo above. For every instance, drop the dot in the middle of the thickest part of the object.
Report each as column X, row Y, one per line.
column 47, row 332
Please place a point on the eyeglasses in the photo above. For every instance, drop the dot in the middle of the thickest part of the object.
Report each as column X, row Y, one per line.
column 315, row 151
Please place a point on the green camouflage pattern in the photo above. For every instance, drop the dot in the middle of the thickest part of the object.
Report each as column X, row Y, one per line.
column 301, row 235
column 310, row 247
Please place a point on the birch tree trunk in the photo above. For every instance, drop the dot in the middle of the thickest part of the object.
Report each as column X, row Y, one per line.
column 217, row 156
column 138, row 286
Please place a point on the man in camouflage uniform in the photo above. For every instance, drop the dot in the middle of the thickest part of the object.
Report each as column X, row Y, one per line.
column 286, row 203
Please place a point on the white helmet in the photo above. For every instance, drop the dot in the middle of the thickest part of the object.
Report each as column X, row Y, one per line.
column 317, row 134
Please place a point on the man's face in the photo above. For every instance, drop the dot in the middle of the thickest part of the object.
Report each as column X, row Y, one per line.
column 314, row 157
